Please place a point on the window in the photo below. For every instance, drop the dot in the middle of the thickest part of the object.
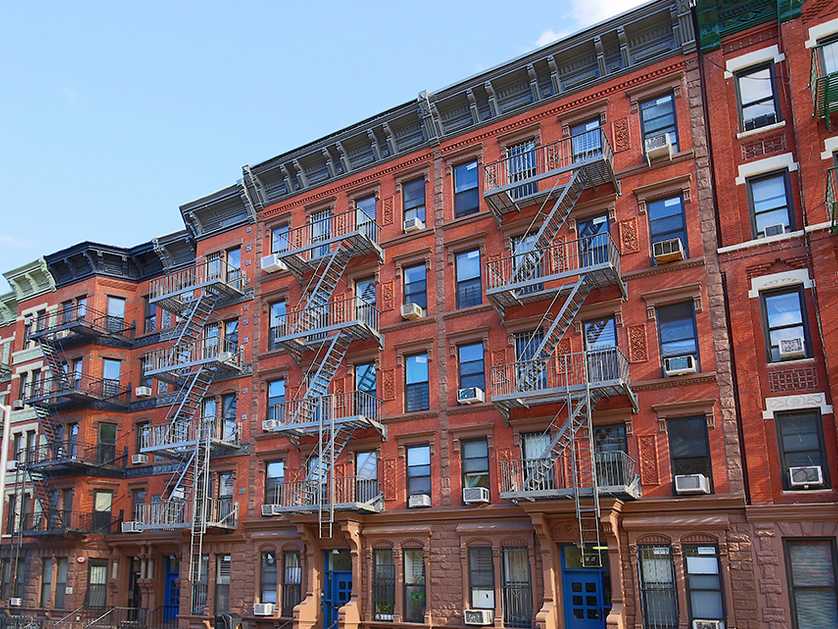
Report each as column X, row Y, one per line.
column 365, row 301
column 470, row 366
column 14, row 576
column 97, row 583
column 414, row 585
column 481, row 577
column 666, row 221
column 145, row 380
column 801, row 443
column 419, row 470
column 600, row 339
column 538, row 467
column 149, row 316
column 475, row 455
column 229, row 422
column 222, row 584
column 770, row 205
column 704, row 583
column 364, row 399
column 22, row 392
column 517, row 590
column 231, row 335
column 60, row 582
column 102, row 505
column 276, row 324
column 417, row 389
column 292, row 579
column 676, row 330
column 366, row 476
column 276, row 399
column 274, row 477
column 383, row 584
column 268, row 578
column 469, row 288
column 520, row 166
column 811, row 573
column 415, row 285
column 365, row 210
column 279, row 238
column 610, row 448
column 116, row 313
column 657, row 116
column 657, row 586
column 320, row 230
column 111, row 372
column 226, row 491
column 784, row 320
column 233, row 256
column 11, row 515
column 200, row 590
column 466, row 196
column 106, row 444
column 30, row 446
column 757, row 102
column 688, row 448
column 18, row 451
column 829, row 55
column 137, row 503
column 46, row 581
column 586, row 139
column 140, row 431
column 413, row 195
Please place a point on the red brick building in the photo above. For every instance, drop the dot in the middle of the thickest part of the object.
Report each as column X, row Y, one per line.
column 382, row 378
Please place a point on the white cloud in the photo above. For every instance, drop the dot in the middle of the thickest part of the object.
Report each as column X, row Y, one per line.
column 580, row 14
column 11, row 242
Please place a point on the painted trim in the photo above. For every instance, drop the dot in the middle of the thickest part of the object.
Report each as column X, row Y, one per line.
column 819, row 31
column 796, row 403
column 771, row 281
column 767, row 165
column 766, row 129
column 734, row 65
column 756, row 242
column 830, row 146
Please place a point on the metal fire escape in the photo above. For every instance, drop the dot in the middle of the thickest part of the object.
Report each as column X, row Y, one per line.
column 318, row 332
column 565, row 273
column 191, row 363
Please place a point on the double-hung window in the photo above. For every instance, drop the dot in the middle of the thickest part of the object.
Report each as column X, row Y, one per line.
column 97, row 583
column 785, row 322
column 770, row 204
column 419, row 470
column 689, row 450
column 812, row 579
column 801, row 445
column 383, row 584
column 466, row 196
column 115, row 320
column 268, row 578
column 475, row 456
column 416, row 285
column 413, row 199
column 414, row 585
column 276, row 323
column 274, row 477
column 704, row 583
column 586, row 139
column 276, row 399
column 417, row 389
column 666, row 221
column 757, row 100
column 657, row 117
column 469, row 285
column 149, row 316
column 677, row 333
column 481, row 577
column 223, row 568
column 279, row 238
column 520, row 166
column 46, row 581
column 470, row 366
column 657, row 586
column 292, row 579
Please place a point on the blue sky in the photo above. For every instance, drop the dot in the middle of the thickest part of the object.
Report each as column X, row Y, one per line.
column 113, row 114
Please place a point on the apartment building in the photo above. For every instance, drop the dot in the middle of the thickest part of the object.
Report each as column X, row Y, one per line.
column 469, row 361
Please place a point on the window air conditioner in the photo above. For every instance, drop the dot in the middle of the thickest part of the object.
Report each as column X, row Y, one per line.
column 668, row 251
column 132, row 526
column 412, row 311
column 269, row 425
column 686, row 484
column 15, row 601
column 679, row 365
column 774, row 230
column 271, row 263
column 11, row 465
column 139, row 459
column 658, row 147
column 474, row 495
column 413, row 225
column 792, row 348
column 142, row 392
column 708, row 624
column 17, row 405
column 268, row 510
column 263, row 609
column 806, row 476
column 478, row 616
column 470, row 395
column 419, row 500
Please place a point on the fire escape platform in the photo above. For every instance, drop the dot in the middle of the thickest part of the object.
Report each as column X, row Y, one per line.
column 555, row 395
column 312, row 338
column 629, row 491
column 312, row 426
column 81, row 330
column 93, row 393
column 175, row 300
column 227, row 363
column 177, row 516
column 305, row 258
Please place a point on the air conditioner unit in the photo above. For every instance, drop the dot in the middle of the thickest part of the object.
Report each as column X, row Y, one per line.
column 474, row 495
column 224, row 357
column 15, row 601
column 671, row 250
column 269, row 425
column 17, row 405
column 478, row 616
column 267, row 510
column 708, row 624
column 132, row 526
column 263, row 609
column 412, row 311
column 679, row 365
column 792, row 348
column 139, row 459
column 686, row 484
column 774, row 230
column 142, row 392
column 413, row 225
column 12, row 465
column 470, row 395
column 272, row 263
column 806, row 476
column 419, row 500
column 658, row 147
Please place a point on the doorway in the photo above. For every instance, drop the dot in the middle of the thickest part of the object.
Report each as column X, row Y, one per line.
column 171, row 590
column 587, row 598
column 337, row 584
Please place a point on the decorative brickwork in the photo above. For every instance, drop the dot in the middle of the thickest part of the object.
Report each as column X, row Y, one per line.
column 794, row 379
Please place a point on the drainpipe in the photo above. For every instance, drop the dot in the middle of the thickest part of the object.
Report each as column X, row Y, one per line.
column 5, row 411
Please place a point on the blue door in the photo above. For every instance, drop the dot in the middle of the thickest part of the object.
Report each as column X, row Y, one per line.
column 337, row 585
column 171, row 590
column 585, row 601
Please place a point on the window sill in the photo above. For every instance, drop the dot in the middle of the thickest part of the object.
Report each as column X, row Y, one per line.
column 413, row 415
column 674, row 381
column 408, row 323
column 791, row 363
column 468, row 311
column 468, row 218
column 756, row 242
column 401, row 238
column 660, row 163
column 752, row 132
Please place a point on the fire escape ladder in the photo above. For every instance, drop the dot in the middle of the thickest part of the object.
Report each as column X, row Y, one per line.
column 314, row 306
column 584, row 466
column 200, row 507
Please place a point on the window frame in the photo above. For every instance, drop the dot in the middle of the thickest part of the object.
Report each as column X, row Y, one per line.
column 414, row 209
column 411, row 476
column 720, row 574
column 784, row 173
column 464, row 474
column 472, row 551
column 482, row 362
column 277, row 229
column 658, row 309
column 406, row 295
column 745, row 72
column 423, row 583
column 817, row 418
column 787, row 542
column 708, row 455
column 383, row 592
column 270, row 481
column 804, row 323
column 263, row 582
column 685, row 240
column 478, row 278
column 426, row 383
column 468, row 211
column 643, row 134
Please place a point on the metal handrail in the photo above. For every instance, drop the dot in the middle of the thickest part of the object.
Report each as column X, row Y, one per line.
column 65, row 384
column 65, row 452
column 185, row 432
column 595, row 366
column 563, row 258
column 350, row 404
column 206, row 270
column 308, row 493
column 521, row 169
column 226, row 351
column 614, row 469
column 176, row 512
column 831, row 196
column 63, row 318
column 337, row 311
column 59, row 521
column 329, row 228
